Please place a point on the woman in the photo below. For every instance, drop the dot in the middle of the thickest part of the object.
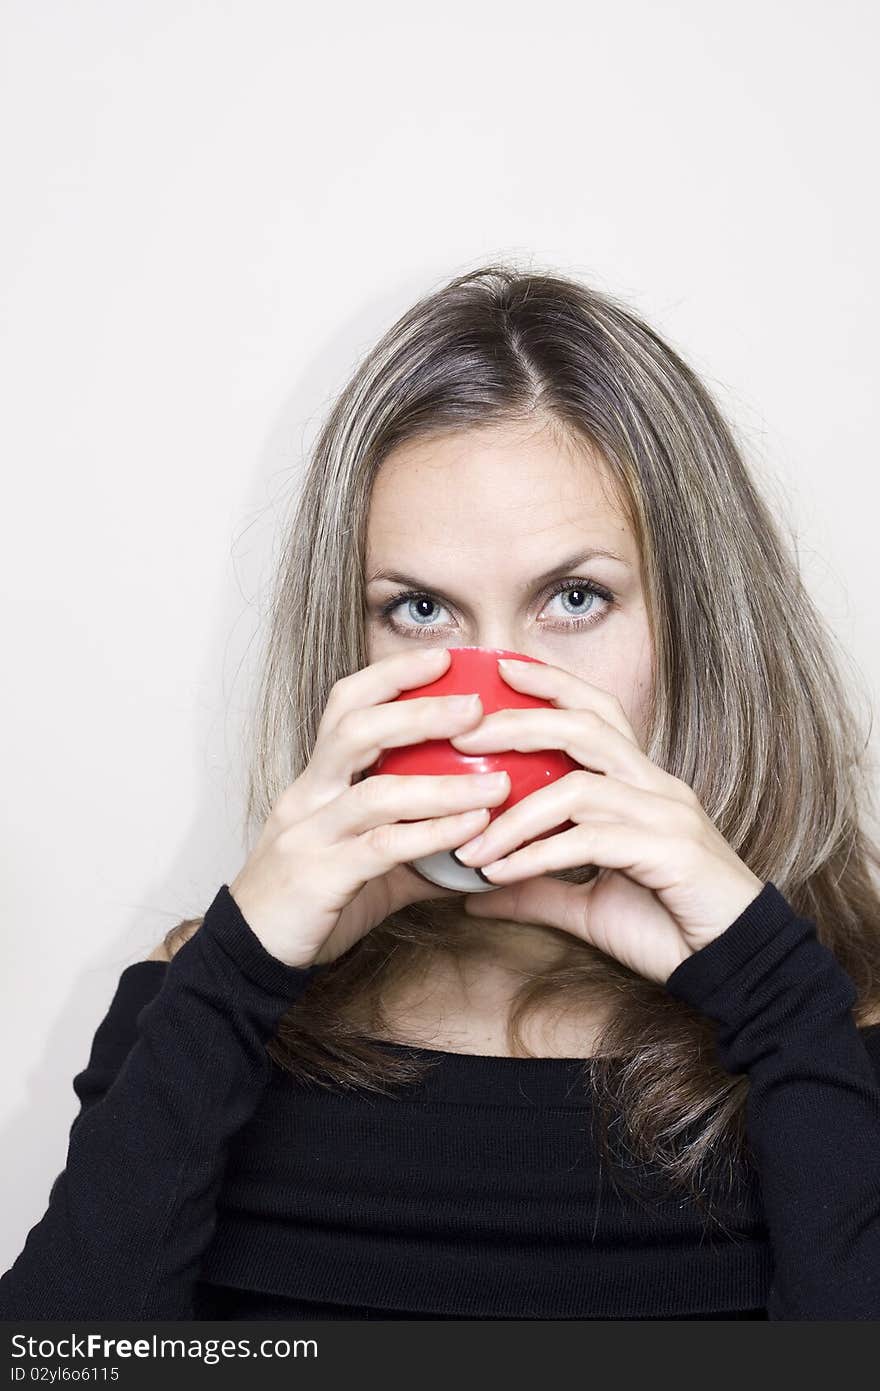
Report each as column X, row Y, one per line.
column 639, row 1078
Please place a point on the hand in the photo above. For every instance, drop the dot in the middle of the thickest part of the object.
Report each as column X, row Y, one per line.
column 332, row 860
column 668, row 881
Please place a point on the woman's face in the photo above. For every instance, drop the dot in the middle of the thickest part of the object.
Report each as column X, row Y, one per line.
column 491, row 530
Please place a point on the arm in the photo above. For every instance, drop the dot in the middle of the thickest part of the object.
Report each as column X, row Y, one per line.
column 114, row 1037
column 133, row 1212
column 117, row 1032
column 783, row 1005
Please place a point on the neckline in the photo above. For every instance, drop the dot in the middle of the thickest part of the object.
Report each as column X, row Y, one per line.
column 448, row 1054
column 487, row 1081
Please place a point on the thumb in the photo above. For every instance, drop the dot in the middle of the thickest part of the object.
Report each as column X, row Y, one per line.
column 406, row 886
column 541, row 900
column 526, row 901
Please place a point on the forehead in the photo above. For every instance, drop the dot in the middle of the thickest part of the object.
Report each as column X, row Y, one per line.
column 502, row 494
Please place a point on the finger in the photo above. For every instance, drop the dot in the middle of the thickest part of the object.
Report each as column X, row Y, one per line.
column 354, row 743
column 381, row 849
column 388, row 798
column 362, row 735
column 575, row 797
column 544, row 902
column 381, row 681
column 566, row 690
column 584, row 735
column 326, row 775
column 406, row 886
column 610, row 845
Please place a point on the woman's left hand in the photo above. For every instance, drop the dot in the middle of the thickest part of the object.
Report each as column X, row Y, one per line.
column 668, row 881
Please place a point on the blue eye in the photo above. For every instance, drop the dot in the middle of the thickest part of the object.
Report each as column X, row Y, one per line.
column 585, row 594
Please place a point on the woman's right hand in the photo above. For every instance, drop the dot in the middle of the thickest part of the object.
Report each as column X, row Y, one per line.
column 331, row 861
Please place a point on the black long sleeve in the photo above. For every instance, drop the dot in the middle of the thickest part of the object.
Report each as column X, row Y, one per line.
column 783, row 1005
column 194, row 1188
column 132, row 1213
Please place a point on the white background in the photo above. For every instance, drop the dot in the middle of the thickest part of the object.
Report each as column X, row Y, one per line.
column 210, row 212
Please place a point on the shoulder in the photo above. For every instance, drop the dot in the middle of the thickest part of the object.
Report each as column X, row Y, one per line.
column 870, row 1036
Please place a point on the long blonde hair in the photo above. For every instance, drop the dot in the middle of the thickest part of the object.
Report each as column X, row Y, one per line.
column 750, row 706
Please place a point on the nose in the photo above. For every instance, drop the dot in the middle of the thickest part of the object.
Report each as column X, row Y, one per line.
column 505, row 638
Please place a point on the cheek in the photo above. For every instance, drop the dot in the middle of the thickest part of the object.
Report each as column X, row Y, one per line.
column 628, row 676
column 379, row 642
column 637, row 699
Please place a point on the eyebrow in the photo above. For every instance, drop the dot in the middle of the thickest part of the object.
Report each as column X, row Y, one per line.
column 564, row 567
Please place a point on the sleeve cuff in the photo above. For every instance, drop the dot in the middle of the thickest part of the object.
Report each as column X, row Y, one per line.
column 227, row 926
column 768, row 919
column 768, row 982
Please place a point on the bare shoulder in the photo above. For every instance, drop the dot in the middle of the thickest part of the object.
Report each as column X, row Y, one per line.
column 174, row 940
column 159, row 953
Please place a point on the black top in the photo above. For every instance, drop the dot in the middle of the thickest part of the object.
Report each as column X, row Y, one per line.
column 202, row 1181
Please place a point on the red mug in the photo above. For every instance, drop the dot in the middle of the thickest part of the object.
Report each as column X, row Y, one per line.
column 476, row 669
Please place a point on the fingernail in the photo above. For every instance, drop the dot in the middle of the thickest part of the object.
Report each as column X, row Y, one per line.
column 463, row 702
column 472, row 845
